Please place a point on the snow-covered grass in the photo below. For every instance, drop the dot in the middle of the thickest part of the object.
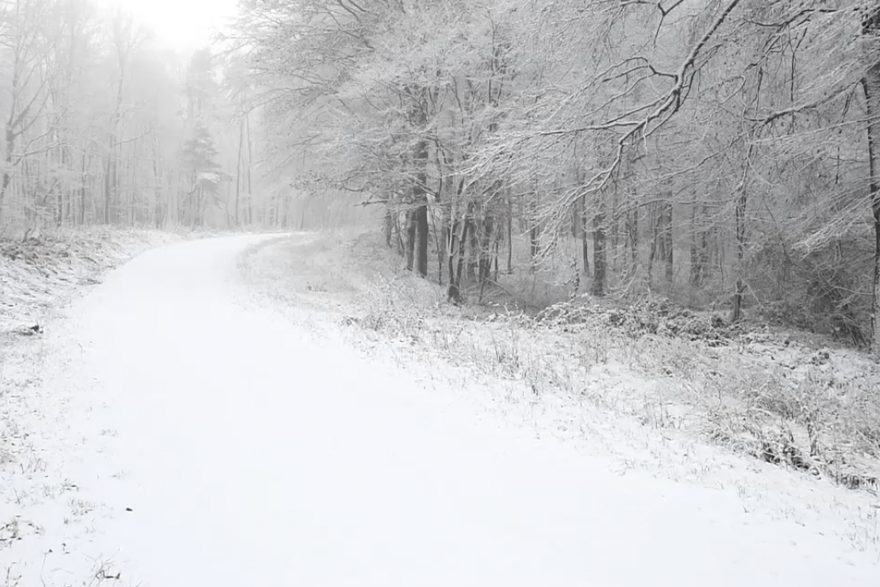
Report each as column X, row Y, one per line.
column 678, row 408
column 172, row 428
column 39, row 502
column 39, row 273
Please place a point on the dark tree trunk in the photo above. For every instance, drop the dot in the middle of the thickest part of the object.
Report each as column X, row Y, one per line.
column 509, row 234
column 410, row 238
column 485, row 258
column 740, row 227
column 534, row 246
column 452, row 245
column 614, row 237
column 457, row 257
column 668, row 249
column 534, row 228
column 585, row 239
column 398, row 235
column 495, row 250
column 421, row 226
column 699, row 248
column 655, row 238
column 473, row 253
column 696, row 270
column 441, row 237
column 632, row 236
column 661, row 241
column 419, row 222
column 389, row 227
column 871, row 86
column 599, row 253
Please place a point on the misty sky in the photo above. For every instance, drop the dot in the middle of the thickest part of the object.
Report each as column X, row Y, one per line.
column 179, row 24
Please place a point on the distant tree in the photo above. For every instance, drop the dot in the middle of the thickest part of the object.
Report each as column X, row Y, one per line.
column 27, row 41
column 205, row 175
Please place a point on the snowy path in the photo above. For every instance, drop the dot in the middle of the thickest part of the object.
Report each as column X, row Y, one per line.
column 252, row 455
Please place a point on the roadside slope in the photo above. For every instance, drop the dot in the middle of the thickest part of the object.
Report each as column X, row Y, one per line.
column 204, row 438
column 39, row 279
column 634, row 402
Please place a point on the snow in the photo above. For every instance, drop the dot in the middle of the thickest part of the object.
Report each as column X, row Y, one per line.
column 40, row 271
column 185, row 430
column 635, row 418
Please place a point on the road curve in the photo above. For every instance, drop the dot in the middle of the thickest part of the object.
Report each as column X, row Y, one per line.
column 241, row 451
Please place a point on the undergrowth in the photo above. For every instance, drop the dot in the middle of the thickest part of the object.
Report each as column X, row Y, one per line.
column 751, row 390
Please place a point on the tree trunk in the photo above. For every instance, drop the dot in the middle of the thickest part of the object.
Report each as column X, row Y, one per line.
column 410, row 238
column 7, row 174
column 422, row 229
column 655, row 238
column 632, row 229
column 420, row 214
column 871, row 86
column 534, row 228
column 585, row 237
column 452, row 244
column 82, row 190
column 509, row 234
column 599, row 256
column 441, row 240
column 614, row 237
column 111, row 177
column 740, row 220
column 668, row 248
column 238, row 178
column 699, row 247
column 495, row 250
column 157, row 180
column 59, row 195
column 473, row 248
column 485, row 259
column 389, row 227
column 108, row 174
column 534, row 244
column 456, row 270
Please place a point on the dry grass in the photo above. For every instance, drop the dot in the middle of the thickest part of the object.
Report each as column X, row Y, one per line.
column 39, row 271
column 642, row 402
column 753, row 390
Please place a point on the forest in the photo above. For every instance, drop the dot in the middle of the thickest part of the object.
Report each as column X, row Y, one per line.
column 721, row 153
column 439, row 292
column 718, row 152
column 104, row 125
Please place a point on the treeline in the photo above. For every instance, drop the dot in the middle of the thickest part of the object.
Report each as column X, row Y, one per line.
column 719, row 151
column 104, row 126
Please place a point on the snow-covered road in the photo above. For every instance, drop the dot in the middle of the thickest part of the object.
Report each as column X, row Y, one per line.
column 252, row 453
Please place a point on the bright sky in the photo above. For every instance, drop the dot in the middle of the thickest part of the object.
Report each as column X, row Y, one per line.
column 179, row 24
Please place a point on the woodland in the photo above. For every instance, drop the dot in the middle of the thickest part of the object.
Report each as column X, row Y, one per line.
column 721, row 153
column 105, row 126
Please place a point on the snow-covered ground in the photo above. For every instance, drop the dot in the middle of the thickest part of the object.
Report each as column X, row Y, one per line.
column 183, row 429
column 39, row 272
